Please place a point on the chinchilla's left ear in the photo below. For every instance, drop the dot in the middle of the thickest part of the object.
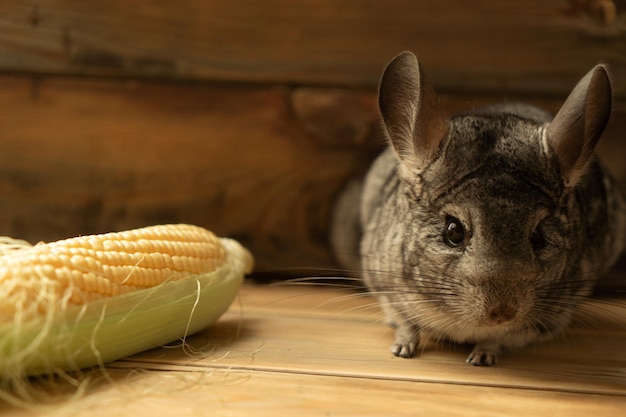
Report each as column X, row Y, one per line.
column 577, row 127
column 412, row 116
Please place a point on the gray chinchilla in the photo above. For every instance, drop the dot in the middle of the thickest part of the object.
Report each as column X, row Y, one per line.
column 489, row 227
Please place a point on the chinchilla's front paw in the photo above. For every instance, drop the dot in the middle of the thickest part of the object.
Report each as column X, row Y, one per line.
column 407, row 338
column 484, row 355
column 403, row 350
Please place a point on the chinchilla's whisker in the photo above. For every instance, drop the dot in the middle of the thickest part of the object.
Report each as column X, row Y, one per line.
column 553, row 301
column 366, row 312
column 606, row 302
column 310, row 269
column 337, row 285
column 583, row 322
column 345, row 282
column 602, row 313
column 348, row 298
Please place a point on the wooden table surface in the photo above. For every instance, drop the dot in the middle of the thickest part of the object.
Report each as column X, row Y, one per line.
column 314, row 350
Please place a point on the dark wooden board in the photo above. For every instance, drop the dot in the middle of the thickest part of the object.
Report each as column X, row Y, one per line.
column 80, row 157
column 260, row 164
column 534, row 46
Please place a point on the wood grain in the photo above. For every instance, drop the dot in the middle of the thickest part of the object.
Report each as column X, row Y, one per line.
column 80, row 156
column 533, row 46
column 259, row 393
column 327, row 332
column 263, row 164
column 309, row 350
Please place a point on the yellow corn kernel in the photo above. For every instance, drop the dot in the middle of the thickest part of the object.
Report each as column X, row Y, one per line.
column 91, row 299
column 88, row 268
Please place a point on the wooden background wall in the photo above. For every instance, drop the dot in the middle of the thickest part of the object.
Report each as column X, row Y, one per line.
column 248, row 116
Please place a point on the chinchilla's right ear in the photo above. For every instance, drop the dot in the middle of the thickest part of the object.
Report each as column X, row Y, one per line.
column 412, row 116
column 577, row 127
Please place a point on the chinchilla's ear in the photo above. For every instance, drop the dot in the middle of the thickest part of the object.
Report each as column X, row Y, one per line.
column 577, row 127
column 412, row 116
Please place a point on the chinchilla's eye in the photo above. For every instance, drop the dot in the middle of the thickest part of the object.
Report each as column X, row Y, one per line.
column 546, row 240
column 454, row 232
column 538, row 239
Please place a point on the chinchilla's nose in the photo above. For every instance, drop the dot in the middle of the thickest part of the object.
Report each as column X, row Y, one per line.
column 501, row 313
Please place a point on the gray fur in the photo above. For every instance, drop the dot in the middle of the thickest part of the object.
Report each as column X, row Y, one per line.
column 541, row 215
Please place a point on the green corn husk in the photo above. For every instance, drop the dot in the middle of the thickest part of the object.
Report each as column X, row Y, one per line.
column 69, row 337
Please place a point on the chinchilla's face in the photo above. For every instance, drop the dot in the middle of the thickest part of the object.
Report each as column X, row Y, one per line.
column 487, row 213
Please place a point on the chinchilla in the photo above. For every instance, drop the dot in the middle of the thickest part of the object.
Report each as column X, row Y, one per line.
column 489, row 227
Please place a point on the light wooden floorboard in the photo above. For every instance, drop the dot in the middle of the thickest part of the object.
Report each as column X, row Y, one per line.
column 320, row 351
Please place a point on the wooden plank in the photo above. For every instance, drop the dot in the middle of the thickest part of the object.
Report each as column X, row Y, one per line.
column 312, row 350
column 534, row 46
column 80, row 156
column 244, row 393
column 323, row 332
column 262, row 164
column 237, row 393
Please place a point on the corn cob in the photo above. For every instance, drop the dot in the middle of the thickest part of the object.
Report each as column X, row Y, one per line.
column 92, row 299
